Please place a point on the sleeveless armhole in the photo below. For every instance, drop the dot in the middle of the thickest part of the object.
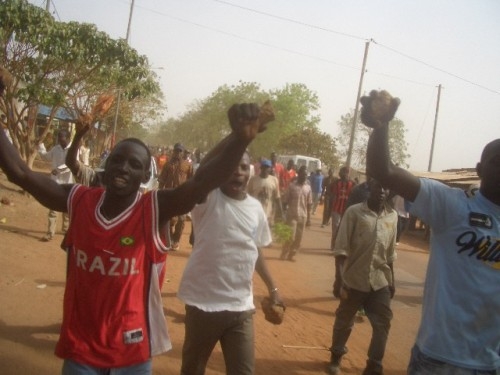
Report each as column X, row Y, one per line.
column 161, row 236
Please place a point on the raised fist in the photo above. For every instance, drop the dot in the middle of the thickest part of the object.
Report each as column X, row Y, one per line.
column 247, row 119
column 378, row 109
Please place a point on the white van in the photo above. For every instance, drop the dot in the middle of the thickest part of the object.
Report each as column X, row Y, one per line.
column 312, row 164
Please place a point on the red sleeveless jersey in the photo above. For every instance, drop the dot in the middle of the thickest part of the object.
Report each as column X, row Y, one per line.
column 339, row 191
column 113, row 312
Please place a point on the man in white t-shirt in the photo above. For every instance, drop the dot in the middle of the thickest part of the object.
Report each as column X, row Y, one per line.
column 59, row 173
column 230, row 228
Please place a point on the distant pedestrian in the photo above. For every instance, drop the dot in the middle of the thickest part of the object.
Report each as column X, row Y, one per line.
column 60, row 173
column 175, row 172
column 326, row 198
column 316, row 188
column 401, row 207
column 298, row 202
column 265, row 187
column 340, row 190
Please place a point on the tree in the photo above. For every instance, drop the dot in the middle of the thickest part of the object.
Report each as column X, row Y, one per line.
column 61, row 65
column 295, row 106
column 397, row 143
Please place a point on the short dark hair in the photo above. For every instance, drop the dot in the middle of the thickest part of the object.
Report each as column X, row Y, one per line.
column 137, row 141
column 489, row 148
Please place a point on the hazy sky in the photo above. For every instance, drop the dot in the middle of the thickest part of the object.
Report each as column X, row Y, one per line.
column 417, row 45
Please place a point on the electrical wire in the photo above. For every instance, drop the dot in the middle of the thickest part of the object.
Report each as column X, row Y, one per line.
column 291, row 20
column 359, row 38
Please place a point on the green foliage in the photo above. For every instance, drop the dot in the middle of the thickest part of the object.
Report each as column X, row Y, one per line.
column 294, row 131
column 66, row 65
column 282, row 232
column 397, row 143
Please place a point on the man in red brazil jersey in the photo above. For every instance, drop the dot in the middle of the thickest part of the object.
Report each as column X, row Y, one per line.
column 116, row 244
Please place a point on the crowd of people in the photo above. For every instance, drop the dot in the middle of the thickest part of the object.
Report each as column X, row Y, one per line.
column 117, row 239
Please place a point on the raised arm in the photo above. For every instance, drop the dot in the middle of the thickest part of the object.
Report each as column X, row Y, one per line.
column 218, row 166
column 45, row 190
column 378, row 110
column 72, row 155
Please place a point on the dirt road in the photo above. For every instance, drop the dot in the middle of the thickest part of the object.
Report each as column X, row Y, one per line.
column 32, row 284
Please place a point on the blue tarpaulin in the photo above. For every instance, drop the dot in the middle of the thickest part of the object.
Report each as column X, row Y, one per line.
column 61, row 114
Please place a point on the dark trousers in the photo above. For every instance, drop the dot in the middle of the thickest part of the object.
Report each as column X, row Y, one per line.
column 234, row 330
column 402, row 221
column 377, row 305
column 177, row 227
column 327, row 210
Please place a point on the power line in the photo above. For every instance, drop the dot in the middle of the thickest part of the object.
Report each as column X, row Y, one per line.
column 246, row 39
column 276, row 47
column 436, row 68
column 292, row 21
column 359, row 38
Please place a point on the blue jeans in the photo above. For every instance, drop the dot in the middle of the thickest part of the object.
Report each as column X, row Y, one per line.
column 377, row 305
column 73, row 368
column 421, row 364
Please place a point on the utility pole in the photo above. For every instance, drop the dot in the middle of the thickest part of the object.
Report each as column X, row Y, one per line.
column 434, row 131
column 115, row 122
column 355, row 118
column 47, row 6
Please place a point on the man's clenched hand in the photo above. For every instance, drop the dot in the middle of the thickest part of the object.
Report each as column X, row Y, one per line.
column 378, row 109
column 247, row 119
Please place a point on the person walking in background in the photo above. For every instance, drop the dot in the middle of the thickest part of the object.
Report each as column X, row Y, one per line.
column 463, row 273
column 340, row 190
column 326, row 198
column 364, row 255
column 83, row 174
column 230, row 230
column 175, row 172
column 84, row 153
column 277, row 170
column 400, row 206
column 316, row 188
column 359, row 193
column 290, row 175
column 61, row 174
column 113, row 320
column 298, row 203
column 265, row 187
column 162, row 158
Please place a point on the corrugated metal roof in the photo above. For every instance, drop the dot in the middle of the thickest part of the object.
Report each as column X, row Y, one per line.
column 457, row 177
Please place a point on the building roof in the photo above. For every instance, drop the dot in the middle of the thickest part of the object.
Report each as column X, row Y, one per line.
column 462, row 178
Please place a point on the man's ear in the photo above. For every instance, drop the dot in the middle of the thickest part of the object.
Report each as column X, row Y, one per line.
column 147, row 176
column 478, row 170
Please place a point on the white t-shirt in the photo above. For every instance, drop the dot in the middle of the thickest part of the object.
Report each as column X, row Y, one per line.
column 219, row 273
column 57, row 157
